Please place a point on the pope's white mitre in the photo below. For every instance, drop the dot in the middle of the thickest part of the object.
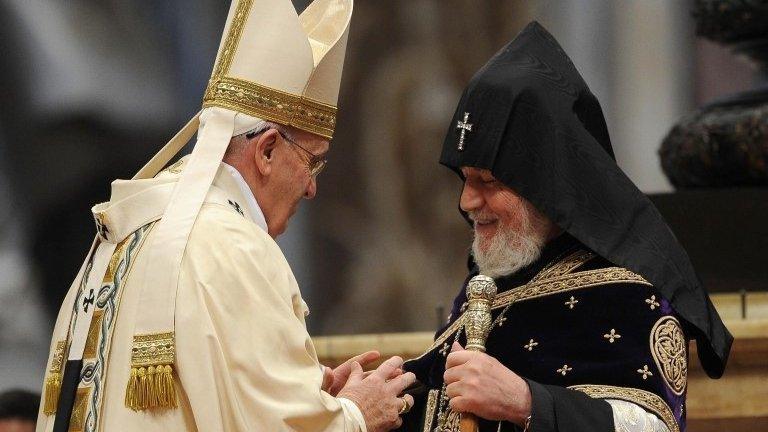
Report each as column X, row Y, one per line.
column 275, row 65
column 272, row 64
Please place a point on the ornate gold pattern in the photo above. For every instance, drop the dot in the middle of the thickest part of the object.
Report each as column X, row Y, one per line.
column 570, row 282
column 429, row 412
column 530, row 345
column 481, row 291
column 259, row 100
column 114, row 261
column 57, row 361
column 566, row 266
column 274, row 105
column 53, row 381
column 230, row 45
column 79, row 410
column 571, row 303
column 94, row 331
column 612, row 336
column 670, row 352
column 152, row 349
column 649, row 401
column 545, row 287
column 564, row 370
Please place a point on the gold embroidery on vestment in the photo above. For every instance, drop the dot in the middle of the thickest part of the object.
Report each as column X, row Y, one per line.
column 566, row 266
column 53, row 381
column 645, row 372
column 669, row 349
column 546, row 287
column 94, row 331
column 79, row 409
column 612, row 336
column 429, row 412
column 564, row 370
column 650, row 401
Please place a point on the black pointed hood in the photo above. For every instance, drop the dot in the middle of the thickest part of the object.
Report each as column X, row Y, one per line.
column 537, row 127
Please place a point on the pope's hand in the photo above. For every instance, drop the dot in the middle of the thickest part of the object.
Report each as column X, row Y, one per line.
column 335, row 379
column 377, row 394
column 479, row 384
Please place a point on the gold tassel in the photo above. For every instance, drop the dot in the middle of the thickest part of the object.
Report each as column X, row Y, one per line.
column 52, row 390
column 53, row 382
column 151, row 387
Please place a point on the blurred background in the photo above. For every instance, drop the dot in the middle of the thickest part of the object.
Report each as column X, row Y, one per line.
column 91, row 89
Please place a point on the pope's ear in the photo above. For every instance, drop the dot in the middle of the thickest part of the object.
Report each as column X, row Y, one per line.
column 264, row 154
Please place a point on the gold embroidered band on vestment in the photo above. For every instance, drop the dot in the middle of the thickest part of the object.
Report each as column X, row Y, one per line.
column 53, row 381
column 151, row 383
column 670, row 352
column 259, row 100
column 549, row 286
column 649, row 401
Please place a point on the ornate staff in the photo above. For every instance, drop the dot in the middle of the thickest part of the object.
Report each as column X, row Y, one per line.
column 481, row 291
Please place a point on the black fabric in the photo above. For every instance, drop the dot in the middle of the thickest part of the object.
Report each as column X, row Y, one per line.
column 539, row 130
column 67, row 396
column 555, row 409
column 573, row 336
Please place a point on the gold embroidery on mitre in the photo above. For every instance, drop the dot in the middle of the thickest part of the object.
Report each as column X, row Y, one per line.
column 79, row 410
column 649, row 401
column 53, row 381
column 669, row 349
column 259, row 100
column 151, row 382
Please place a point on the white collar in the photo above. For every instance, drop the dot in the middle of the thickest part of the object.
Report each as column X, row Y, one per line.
column 253, row 207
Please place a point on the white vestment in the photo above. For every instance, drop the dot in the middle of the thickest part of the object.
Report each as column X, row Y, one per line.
column 244, row 359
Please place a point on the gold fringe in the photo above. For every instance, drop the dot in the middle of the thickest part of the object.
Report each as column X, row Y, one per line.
column 151, row 387
column 52, row 390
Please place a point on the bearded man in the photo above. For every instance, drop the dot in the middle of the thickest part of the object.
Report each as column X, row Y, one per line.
column 596, row 299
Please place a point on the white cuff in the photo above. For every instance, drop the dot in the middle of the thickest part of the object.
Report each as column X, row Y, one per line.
column 352, row 412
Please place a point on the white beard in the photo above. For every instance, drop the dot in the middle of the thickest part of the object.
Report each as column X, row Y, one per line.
column 510, row 250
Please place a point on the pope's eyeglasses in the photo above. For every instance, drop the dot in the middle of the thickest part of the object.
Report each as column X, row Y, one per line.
column 315, row 163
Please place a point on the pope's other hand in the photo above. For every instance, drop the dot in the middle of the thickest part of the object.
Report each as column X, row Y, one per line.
column 335, row 379
column 377, row 394
column 479, row 384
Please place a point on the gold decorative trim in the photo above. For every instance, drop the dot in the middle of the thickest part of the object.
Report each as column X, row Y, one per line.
column 53, row 380
column 79, row 410
column 272, row 104
column 566, row 266
column 94, row 331
column 429, row 411
column 546, row 287
column 568, row 282
column 151, row 382
column 258, row 100
column 649, row 401
column 153, row 349
column 669, row 349
column 230, row 45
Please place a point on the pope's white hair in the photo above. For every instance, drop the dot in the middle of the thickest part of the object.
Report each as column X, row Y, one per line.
column 238, row 142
